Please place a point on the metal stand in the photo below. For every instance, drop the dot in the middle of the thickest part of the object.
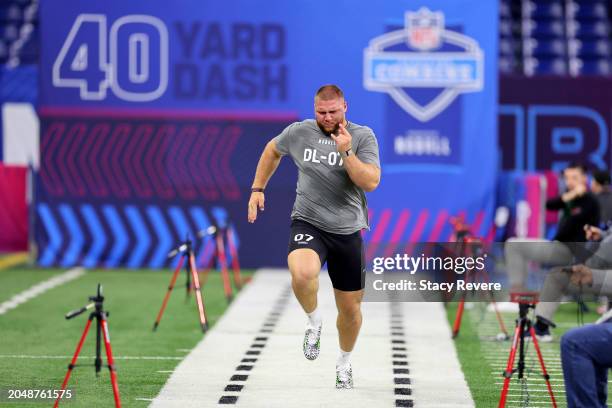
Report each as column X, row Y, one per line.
column 101, row 327
column 219, row 257
column 466, row 242
column 186, row 252
column 526, row 301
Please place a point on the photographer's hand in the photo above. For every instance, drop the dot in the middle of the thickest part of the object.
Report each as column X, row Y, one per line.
column 581, row 275
column 592, row 233
column 574, row 193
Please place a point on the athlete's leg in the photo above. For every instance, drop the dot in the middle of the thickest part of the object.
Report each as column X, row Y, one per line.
column 349, row 317
column 349, row 324
column 304, row 265
column 345, row 263
column 307, row 253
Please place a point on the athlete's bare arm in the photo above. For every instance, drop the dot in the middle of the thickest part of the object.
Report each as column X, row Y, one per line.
column 268, row 162
column 364, row 175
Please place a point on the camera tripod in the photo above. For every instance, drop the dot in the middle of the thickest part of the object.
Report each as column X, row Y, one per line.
column 186, row 251
column 470, row 246
column 100, row 315
column 526, row 301
column 219, row 256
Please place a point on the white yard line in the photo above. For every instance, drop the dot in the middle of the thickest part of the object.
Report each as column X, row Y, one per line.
column 40, row 288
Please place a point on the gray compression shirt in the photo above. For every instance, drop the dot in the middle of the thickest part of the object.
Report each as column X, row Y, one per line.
column 325, row 196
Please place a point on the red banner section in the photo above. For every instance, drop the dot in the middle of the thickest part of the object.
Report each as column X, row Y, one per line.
column 13, row 208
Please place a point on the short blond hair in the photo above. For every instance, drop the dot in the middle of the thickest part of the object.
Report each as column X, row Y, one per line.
column 329, row 92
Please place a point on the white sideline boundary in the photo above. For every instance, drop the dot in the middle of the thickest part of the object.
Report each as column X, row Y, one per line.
column 40, row 288
column 282, row 377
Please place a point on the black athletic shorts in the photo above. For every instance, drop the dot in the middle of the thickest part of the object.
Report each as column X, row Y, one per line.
column 343, row 253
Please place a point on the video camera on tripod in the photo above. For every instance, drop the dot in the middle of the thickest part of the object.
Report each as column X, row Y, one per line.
column 526, row 301
column 95, row 300
column 100, row 315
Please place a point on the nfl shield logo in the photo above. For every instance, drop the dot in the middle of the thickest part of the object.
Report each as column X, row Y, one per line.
column 424, row 28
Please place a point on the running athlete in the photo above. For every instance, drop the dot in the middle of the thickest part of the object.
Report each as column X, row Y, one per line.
column 337, row 162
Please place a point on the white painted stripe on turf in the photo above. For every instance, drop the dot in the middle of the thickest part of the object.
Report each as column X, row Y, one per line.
column 548, row 365
column 545, row 391
column 40, row 288
column 536, row 385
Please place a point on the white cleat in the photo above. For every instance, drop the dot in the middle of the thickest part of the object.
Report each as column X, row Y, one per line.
column 312, row 342
column 344, row 376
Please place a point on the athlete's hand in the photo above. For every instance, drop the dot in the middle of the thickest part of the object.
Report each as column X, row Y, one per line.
column 343, row 139
column 255, row 202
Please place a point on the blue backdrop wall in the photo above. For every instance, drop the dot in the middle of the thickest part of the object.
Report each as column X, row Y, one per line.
column 153, row 118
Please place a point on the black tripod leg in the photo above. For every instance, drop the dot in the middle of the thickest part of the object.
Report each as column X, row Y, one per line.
column 98, row 362
column 521, row 363
column 188, row 272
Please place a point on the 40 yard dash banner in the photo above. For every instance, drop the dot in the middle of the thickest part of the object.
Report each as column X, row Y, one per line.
column 153, row 117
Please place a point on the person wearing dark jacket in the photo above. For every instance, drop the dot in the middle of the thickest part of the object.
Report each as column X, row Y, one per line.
column 578, row 207
column 600, row 186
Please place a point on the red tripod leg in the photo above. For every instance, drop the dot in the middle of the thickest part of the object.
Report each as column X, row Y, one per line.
column 227, row 286
column 458, row 316
column 165, row 302
column 200, row 302
column 234, row 255
column 509, row 366
column 536, row 345
column 74, row 359
column 460, row 308
column 111, row 362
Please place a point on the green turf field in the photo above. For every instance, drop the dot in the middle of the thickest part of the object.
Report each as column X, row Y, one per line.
column 483, row 359
column 37, row 342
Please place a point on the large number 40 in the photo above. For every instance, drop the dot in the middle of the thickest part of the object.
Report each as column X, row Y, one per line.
column 134, row 62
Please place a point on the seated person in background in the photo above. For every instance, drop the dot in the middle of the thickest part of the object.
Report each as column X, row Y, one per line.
column 600, row 186
column 564, row 281
column 578, row 208
column 586, row 358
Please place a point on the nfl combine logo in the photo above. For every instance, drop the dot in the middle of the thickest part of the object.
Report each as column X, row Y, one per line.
column 424, row 29
column 436, row 58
